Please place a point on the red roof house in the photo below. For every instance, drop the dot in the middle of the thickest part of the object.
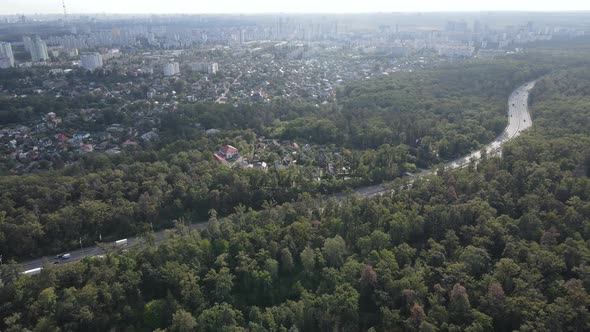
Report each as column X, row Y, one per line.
column 219, row 158
column 228, row 152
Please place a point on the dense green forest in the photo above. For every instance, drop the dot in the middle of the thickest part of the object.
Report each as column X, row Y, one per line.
column 383, row 129
column 502, row 245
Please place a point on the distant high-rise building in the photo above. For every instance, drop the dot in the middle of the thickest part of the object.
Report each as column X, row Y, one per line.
column 242, row 36
column 171, row 68
column 91, row 61
column 28, row 43
column 6, row 56
column 530, row 26
column 205, row 67
column 476, row 26
column 456, row 26
column 38, row 50
column 212, row 68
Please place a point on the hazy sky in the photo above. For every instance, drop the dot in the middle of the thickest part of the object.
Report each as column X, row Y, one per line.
column 284, row 6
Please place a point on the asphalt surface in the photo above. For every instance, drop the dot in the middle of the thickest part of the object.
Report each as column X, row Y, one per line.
column 519, row 119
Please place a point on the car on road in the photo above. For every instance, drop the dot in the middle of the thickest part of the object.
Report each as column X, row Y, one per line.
column 64, row 256
column 33, row 271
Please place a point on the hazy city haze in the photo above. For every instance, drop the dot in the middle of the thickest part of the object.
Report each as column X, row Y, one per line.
column 269, row 6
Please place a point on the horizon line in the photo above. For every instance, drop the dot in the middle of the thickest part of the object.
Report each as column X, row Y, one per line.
column 315, row 13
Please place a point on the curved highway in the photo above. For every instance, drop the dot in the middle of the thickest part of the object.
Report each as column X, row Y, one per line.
column 519, row 119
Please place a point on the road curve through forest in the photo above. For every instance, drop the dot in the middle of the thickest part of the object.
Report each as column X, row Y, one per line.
column 519, row 119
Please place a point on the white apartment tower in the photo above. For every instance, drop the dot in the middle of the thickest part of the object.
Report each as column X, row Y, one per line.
column 91, row 61
column 205, row 67
column 28, row 43
column 213, row 68
column 6, row 56
column 171, row 68
column 38, row 50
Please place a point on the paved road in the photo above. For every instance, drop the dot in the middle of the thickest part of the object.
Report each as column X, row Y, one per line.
column 224, row 93
column 34, row 265
column 519, row 119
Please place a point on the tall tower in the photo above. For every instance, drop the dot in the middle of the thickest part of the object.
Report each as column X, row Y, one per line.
column 38, row 50
column 63, row 3
column 6, row 56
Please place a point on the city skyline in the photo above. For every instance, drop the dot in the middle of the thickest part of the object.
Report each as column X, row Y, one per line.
column 29, row 7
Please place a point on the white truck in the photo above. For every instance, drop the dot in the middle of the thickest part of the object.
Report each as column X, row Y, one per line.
column 33, row 271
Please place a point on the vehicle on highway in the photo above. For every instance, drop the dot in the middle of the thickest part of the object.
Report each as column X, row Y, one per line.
column 33, row 271
column 64, row 256
column 122, row 242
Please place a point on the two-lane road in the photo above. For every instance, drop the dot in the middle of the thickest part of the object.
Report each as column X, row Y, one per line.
column 519, row 119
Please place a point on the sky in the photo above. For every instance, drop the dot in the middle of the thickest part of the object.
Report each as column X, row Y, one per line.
column 9, row 7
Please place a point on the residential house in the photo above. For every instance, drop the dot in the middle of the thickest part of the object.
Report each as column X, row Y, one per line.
column 86, row 148
column 150, row 136
column 229, row 152
column 129, row 144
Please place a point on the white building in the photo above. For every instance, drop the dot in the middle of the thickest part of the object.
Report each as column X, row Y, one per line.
column 110, row 54
column 212, row 68
column 171, row 68
column 6, row 56
column 38, row 50
column 91, row 61
column 28, row 43
column 205, row 67
column 71, row 52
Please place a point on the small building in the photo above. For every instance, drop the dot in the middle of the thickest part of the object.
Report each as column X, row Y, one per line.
column 212, row 132
column 229, row 152
column 129, row 143
column 150, row 136
column 86, row 148
column 260, row 165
